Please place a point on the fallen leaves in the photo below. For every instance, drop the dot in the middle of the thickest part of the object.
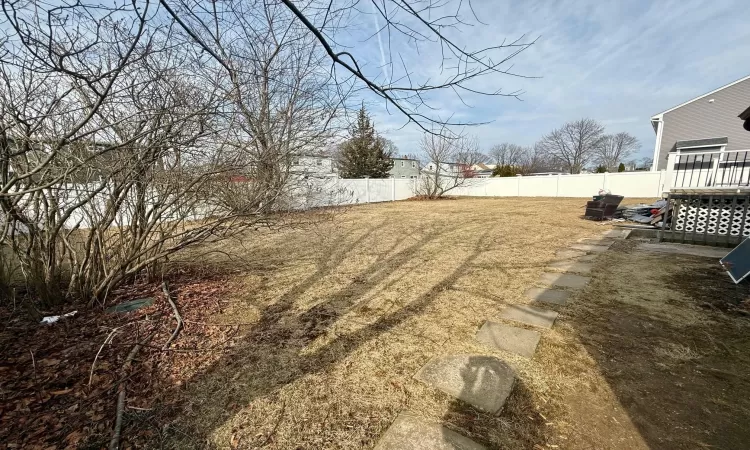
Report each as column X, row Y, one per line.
column 47, row 401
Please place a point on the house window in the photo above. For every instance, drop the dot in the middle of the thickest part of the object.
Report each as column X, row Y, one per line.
column 402, row 164
column 403, row 176
column 413, row 164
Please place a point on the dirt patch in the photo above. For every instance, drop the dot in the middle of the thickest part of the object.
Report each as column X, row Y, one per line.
column 669, row 352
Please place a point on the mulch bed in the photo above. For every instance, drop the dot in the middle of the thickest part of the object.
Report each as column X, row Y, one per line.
column 52, row 398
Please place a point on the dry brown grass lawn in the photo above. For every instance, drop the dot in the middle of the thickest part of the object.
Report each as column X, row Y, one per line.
column 341, row 315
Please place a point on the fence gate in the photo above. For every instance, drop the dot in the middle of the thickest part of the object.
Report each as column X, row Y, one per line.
column 708, row 219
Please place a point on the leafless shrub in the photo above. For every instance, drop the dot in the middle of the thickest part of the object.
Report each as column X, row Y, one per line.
column 449, row 166
column 130, row 131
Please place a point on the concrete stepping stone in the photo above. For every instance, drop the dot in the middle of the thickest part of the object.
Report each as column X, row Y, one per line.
column 568, row 280
column 484, row 382
column 538, row 317
column 617, row 234
column 590, row 247
column 607, row 242
column 409, row 432
column 569, row 254
column 511, row 339
column 571, row 266
column 554, row 296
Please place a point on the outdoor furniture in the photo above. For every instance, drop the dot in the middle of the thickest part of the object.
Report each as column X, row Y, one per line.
column 604, row 208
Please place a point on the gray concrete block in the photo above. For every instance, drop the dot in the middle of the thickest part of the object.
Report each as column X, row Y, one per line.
column 605, row 242
column 571, row 266
column 484, row 382
column 553, row 296
column 409, row 432
column 589, row 247
column 617, row 234
column 511, row 339
column 569, row 254
column 538, row 317
column 568, row 280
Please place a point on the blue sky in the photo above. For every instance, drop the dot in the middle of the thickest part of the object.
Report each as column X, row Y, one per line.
column 619, row 62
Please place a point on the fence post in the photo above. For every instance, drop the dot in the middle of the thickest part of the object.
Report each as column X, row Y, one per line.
column 367, row 189
column 557, row 185
column 518, row 186
column 604, row 181
column 393, row 189
column 660, row 186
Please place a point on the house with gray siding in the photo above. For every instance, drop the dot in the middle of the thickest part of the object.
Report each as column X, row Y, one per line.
column 704, row 150
column 707, row 123
column 404, row 168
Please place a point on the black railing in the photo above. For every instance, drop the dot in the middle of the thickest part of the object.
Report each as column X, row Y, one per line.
column 730, row 169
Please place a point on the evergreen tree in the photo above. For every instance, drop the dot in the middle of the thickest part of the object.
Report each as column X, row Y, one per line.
column 621, row 167
column 364, row 153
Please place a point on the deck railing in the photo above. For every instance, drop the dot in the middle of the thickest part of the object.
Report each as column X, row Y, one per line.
column 709, row 169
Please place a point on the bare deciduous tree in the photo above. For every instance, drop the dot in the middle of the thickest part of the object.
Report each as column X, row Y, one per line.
column 449, row 163
column 573, row 145
column 415, row 24
column 506, row 154
column 614, row 149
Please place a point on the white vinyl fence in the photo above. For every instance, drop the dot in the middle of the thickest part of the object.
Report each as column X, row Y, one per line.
column 333, row 192
column 628, row 184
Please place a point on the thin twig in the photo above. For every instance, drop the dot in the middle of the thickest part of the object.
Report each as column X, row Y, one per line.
column 108, row 340
column 114, row 443
column 275, row 427
column 177, row 316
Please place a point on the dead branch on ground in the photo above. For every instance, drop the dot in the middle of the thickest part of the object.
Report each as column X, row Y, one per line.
column 114, row 443
column 177, row 316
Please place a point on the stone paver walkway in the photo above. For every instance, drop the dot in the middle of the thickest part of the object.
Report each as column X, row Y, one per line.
column 573, row 266
column 567, row 280
column 511, row 339
column 530, row 315
column 484, row 382
column 617, row 234
column 569, row 254
column 607, row 242
column 553, row 296
column 590, row 247
column 409, row 432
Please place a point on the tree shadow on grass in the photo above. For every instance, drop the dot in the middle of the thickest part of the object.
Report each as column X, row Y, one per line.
column 270, row 356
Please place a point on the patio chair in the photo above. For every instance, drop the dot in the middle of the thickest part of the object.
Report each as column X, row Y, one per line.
column 604, row 208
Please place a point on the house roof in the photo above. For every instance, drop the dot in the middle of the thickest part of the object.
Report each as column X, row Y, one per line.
column 711, row 142
column 658, row 115
column 745, row 115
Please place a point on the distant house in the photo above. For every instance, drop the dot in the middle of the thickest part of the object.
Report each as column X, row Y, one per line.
column 482, row 170
column 314, row 166
column 449, row 169
column 705, row 125
column 404, row 168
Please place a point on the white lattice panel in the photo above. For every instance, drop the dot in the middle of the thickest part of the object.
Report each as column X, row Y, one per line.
column 719, row 217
